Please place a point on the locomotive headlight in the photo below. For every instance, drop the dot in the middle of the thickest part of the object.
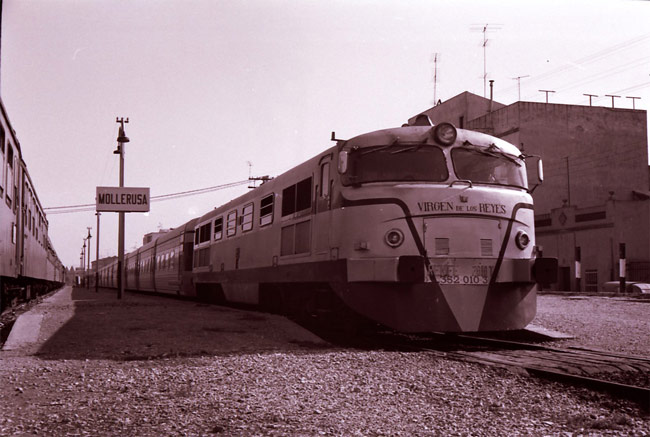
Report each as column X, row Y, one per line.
column 522, row 240
column 394, row 238
column 445, row 134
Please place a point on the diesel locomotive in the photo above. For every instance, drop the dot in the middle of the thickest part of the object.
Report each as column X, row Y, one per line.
column 420, row 228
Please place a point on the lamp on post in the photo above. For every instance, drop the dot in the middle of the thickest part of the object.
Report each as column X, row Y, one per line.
column 121, row 140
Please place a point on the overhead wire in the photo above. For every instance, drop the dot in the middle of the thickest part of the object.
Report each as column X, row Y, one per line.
column 91, row 206
column 594, row 57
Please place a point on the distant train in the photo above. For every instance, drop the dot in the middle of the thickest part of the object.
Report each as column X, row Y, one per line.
column 28, row 263
column 420, row 228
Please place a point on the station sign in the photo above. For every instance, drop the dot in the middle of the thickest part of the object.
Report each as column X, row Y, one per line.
column 122, row 199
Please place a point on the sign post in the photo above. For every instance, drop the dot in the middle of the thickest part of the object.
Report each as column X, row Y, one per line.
column 121, row 199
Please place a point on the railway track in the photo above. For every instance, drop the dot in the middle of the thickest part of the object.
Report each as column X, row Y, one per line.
column 623, row 376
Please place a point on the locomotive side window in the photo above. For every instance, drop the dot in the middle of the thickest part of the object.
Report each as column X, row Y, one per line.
column 296, row 197
column 231, row 223
column 325, row 179
column 218, row 229
column 266, row 210
column 247, row 218
column 289, row 200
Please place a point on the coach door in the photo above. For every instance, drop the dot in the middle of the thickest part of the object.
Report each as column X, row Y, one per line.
column 323, row 202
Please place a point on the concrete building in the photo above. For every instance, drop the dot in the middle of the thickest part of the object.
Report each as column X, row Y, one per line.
column 596, row 192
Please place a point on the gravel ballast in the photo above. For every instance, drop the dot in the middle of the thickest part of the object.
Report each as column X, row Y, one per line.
column 190, row 369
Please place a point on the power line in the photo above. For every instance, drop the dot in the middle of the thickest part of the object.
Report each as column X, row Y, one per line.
column 91, row 206
column 596, row 56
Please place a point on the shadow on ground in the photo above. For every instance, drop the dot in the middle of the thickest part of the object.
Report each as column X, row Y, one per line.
column 140, row 327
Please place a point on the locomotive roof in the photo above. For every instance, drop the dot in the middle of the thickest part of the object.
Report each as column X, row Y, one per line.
column 417, row 134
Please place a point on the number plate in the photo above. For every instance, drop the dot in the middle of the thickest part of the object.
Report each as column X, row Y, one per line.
column 462, row 271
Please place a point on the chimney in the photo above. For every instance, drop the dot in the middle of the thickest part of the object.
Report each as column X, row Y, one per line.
column 491, row 93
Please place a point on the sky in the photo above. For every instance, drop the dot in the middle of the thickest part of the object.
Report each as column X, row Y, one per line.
column 217, row 90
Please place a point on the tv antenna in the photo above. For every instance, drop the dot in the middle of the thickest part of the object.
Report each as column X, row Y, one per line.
column 484, row 29
column 518, row 79
column 434, row 58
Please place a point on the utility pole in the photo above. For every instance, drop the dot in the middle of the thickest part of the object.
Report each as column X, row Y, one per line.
column 590, row 96
column 97, row 256
column 518, row 79
column 121, row 140
column 546, row 91
column 83, row 264
column 89, row 271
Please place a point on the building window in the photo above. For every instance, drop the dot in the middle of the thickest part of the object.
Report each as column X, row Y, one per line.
column 591, row 280
column 543, row 220
column 590, row 216
column 247, row 218
column 266, row 210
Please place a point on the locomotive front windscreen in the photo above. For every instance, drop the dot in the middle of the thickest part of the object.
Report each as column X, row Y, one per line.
column 488, row 166
column 397, row 164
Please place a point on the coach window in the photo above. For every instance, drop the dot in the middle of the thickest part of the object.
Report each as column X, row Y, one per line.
column 196, row 236
column 247, row 218
column 2, row 161
column 266, row 210
column 231, row 223
column 9, row 174
column 218, row 229
column 205, row 232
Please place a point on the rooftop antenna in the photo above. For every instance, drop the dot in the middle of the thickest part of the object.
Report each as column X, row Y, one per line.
column 546, row 91
column 590, row 96
column 633, row 99
column 613, row 97
column 435, row 78
column 518, row 79
column 484, row 29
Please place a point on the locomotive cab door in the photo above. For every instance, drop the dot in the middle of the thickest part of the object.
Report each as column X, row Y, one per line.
column 323, row 206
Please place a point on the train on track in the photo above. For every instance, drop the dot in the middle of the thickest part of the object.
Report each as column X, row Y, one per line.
column 420, row 228
column 29, row 265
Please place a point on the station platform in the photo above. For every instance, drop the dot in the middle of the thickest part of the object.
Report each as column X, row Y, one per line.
column 78, row 323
